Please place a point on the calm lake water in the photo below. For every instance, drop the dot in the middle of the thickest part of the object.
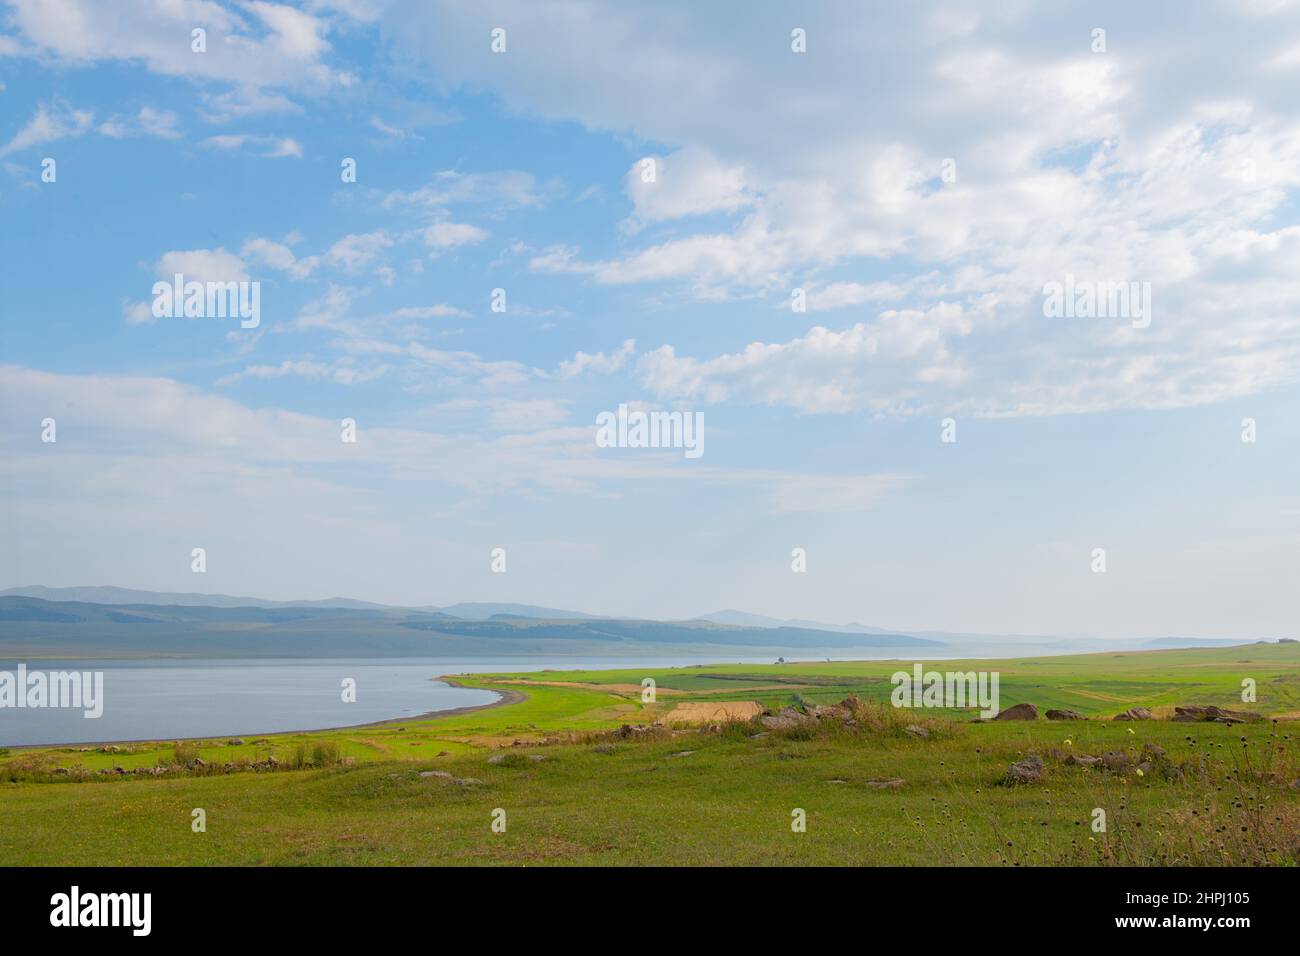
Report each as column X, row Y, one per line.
column 162, row 700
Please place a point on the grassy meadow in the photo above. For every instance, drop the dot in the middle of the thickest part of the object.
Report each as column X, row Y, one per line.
column 575, row 790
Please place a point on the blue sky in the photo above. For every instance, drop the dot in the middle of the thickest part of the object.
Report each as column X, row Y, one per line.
column 1171, row 157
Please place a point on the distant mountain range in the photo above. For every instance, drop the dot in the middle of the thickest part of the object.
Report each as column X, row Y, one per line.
column 36, row 627
column 112, row 595
column 40, row 621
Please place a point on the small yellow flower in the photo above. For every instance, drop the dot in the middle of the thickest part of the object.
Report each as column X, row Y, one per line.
column 1140, row 773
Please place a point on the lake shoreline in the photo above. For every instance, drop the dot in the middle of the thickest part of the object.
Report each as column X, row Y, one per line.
column 504, row 697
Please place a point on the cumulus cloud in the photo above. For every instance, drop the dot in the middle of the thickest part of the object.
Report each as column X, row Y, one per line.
column 255, row 50
column 599, row 362
column 689, row 182
column 1118, row 167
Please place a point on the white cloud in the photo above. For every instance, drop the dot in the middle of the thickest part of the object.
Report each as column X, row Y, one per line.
column 511, row 189
column 439, row 311
column 599, row 362
column 202, row 265
column 326, row 312
column 277, row 255
column 52, row 122
column 688, row 182
column 343, row 371
column 138, row 313
column 272, row 147
column 387, row 129
column 357, row 250
column 1128, row 166
column 255, row 49
column 148, row 122
column 450, row 235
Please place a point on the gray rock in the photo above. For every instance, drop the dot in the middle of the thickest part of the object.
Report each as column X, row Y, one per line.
column 1134, row 713
column 1028, row 770
column 1115, row 761
column 1065, row 715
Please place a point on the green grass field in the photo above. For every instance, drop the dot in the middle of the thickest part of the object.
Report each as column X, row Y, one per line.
column 722, row 794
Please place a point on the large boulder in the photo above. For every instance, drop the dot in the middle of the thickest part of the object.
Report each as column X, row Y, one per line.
column 1065, row 715
column 1224, row 716
column 1018, row 712
column 1134, row 713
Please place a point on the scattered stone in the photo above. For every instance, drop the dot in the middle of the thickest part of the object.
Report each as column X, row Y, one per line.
column 605, row 749
column 437, row 773
column 1029, row 770
column 682, row 753
column 1082, row 760
column 1115, row 761
column 497, row 759
column 837, row 781
column 1134, row 713
column 628, row 731
column 778, row 722
column 760, row 735
column 235, row 742
column 1065, row 715
column 916, row 730
column 893, row 784
column 1190, row 713
column 1018, row 712
column 444, row 753
column 538, row 758
column 831, row 712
